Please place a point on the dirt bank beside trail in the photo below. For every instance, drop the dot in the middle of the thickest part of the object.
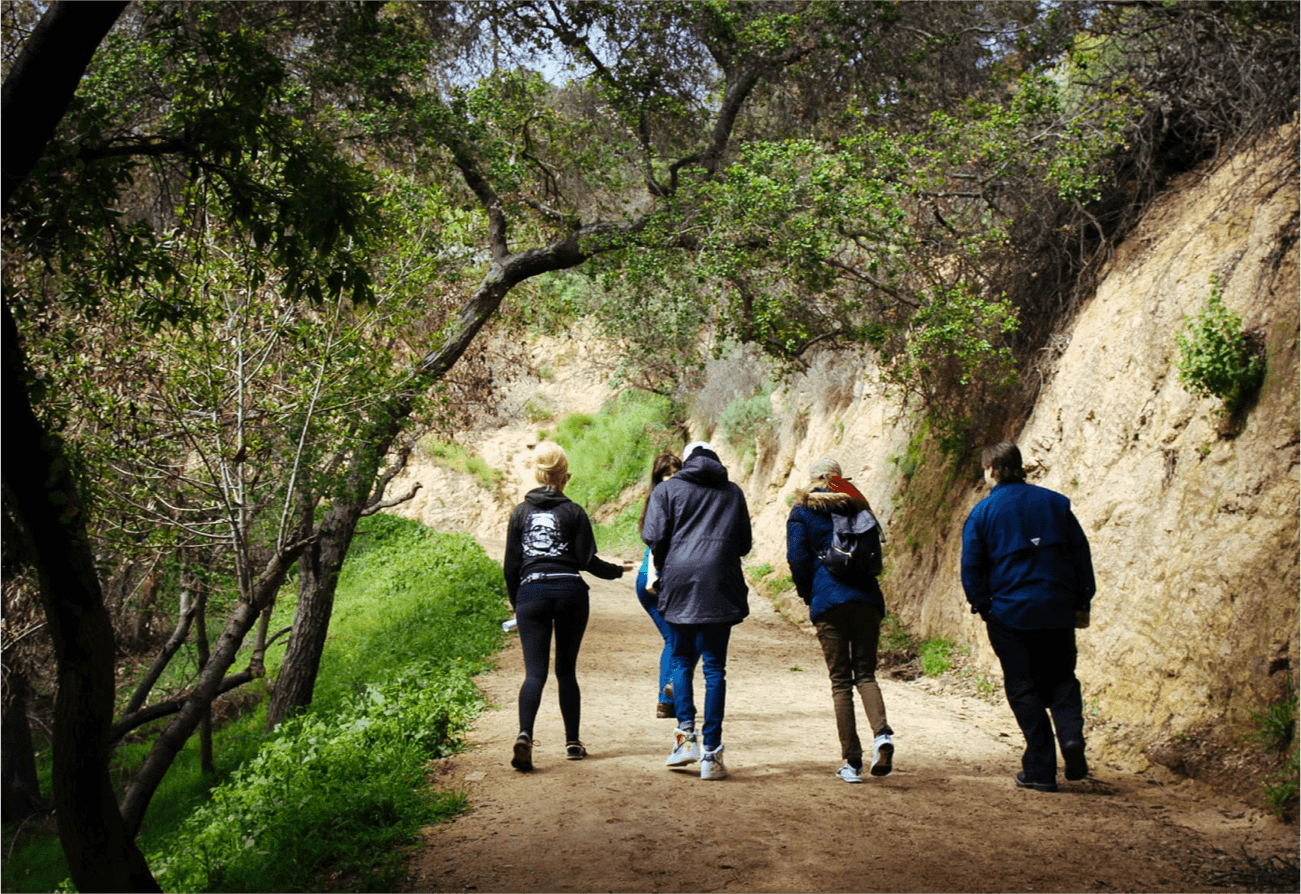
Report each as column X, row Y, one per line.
column 947, row 819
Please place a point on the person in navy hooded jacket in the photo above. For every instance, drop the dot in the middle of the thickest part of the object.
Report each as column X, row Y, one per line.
column 697, row 526
column 846, row 611
column 1027, row 572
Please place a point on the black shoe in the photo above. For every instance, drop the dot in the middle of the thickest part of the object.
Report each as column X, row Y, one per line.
column 1022, row 782
column 575, row 751
column 1076, row 766
column 523, row 758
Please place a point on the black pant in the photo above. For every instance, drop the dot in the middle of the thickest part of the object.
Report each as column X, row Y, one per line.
column 541, row 609
column 1039, row 676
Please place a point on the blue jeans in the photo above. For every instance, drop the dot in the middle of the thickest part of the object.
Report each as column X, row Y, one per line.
column 651, row 602
column 706, row 643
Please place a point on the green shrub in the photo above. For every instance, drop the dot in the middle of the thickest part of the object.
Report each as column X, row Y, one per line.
column 614, row 449
column 936, row 655
column 1215, row 356
column 748, row 421
column 457, row 459
column 894, row 635
column 1276, row 730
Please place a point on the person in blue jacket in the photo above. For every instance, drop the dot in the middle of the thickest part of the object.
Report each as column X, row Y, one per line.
column 697, row 526
column 1027, row 572
column 648, row 589
column 846, row 612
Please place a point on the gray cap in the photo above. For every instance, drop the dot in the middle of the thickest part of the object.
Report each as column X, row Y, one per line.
column 824, row 468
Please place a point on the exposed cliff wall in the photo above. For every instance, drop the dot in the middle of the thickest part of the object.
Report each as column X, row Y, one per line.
column 1194, row 536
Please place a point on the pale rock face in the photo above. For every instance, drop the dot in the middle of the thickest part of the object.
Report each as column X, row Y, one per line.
column 1194, row 537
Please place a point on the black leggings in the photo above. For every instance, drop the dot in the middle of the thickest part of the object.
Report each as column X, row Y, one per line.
column 540, row 609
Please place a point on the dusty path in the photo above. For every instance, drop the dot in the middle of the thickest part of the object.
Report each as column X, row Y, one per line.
column 947, row 819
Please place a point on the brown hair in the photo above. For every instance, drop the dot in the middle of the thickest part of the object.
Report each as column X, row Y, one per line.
column 1004, row 460
column 665, row 466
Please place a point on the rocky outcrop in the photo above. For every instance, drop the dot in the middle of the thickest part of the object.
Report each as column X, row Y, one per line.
column 1194, row 535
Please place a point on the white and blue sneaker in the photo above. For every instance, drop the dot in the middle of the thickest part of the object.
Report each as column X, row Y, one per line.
column 849, row 774
column 711, row 764
column 882, row 755
column 686, row 748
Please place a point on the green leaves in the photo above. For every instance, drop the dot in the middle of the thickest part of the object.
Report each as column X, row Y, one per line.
column 1215, row 356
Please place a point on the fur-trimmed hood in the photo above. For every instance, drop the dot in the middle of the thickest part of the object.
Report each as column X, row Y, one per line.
column 821, row 500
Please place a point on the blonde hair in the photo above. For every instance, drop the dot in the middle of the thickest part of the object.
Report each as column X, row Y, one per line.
column 551, row 466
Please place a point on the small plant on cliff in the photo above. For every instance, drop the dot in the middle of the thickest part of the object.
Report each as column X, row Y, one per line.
column 936, row 655
column 1216, row 359
column 1276, row 729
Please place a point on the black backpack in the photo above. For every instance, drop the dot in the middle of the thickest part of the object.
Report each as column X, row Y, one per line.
column 855, row 549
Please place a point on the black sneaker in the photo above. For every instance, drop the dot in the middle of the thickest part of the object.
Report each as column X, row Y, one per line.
column 523, row 758
column 1022, row 782
column 1076, row 766
column 575, row 751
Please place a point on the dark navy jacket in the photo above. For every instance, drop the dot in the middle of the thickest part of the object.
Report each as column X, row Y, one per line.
column 808, row 532
column 1025, row 559
column 698, row 528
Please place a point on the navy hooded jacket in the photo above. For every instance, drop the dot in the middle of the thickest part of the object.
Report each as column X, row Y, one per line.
column 808, row 533
column 1025, row 559
column 698, row 527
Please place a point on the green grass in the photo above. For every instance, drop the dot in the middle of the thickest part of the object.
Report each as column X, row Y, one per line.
column 1276, row 729
column 936, row 655
column 331, row 798
column 613, row 449
column 458, row 459
column 620, row 534
column 894, row 635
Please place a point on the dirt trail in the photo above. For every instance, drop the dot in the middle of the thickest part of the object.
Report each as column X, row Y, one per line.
column 947, row 819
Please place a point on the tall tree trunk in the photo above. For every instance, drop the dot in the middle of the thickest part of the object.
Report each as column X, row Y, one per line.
column 100, row 849
column 318, row 579
column 101, row 853
column 41, row 82
column 21, row 786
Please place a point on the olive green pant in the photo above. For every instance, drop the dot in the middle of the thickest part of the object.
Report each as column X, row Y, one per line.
column 849, row 634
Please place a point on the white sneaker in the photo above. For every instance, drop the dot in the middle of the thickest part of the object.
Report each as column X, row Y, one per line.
column 882, row 755
column 712, row 766
column 849, row 774
column 686, row 749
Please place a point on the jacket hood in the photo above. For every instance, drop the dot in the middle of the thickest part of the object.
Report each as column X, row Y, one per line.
column 703, row 467
column 545, row 497
column 822, row 500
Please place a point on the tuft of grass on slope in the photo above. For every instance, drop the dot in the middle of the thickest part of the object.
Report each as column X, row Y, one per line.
column 332, row 795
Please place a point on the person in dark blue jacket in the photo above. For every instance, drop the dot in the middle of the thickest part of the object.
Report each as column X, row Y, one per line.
column 697, row 526
column 1027, row 572
column 846, row 613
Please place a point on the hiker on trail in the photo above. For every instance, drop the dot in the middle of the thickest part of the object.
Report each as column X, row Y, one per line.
column 845, row 604
column 648, row 584
column 697, row 526
column 1027, row 572
column 548, row 542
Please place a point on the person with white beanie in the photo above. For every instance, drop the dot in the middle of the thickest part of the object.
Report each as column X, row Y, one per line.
column 697, row 526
